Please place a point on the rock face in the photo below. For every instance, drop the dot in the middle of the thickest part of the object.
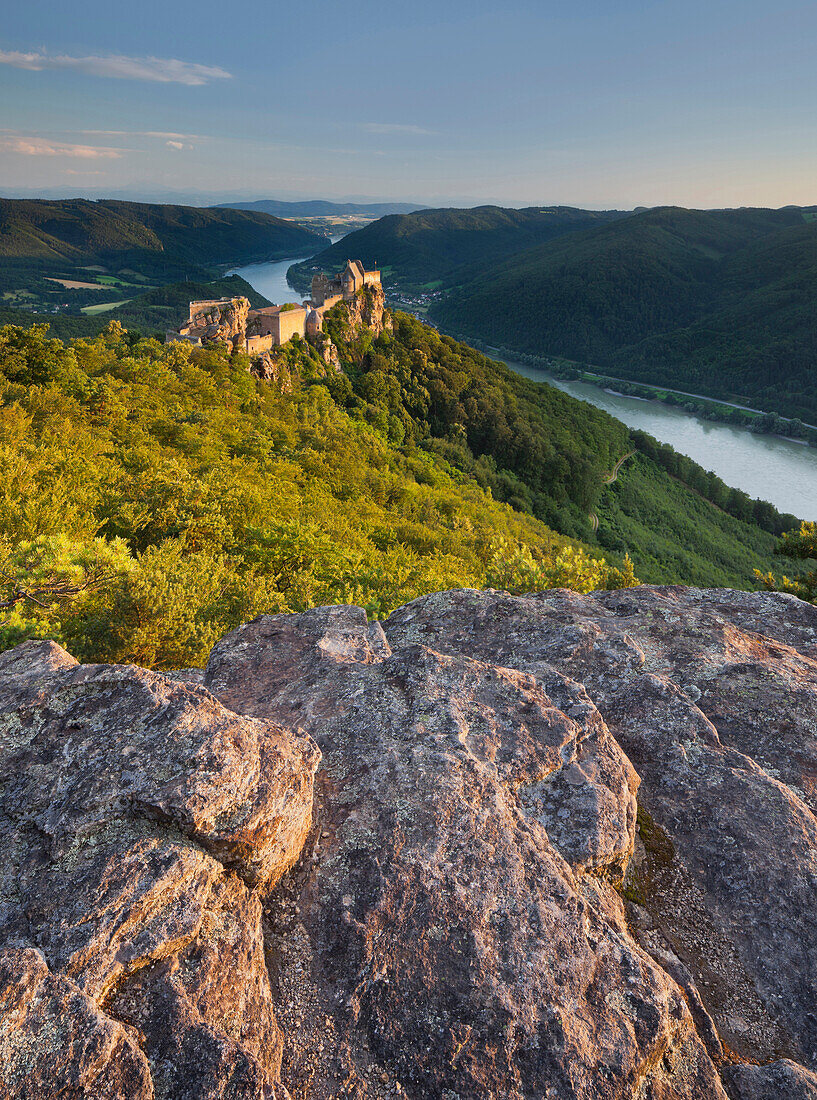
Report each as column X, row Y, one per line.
column 327, row 351
column 452, row 944
column 712, row 696
column 561, row 847
column 224, row 322
column 270, row 367
column 368, row 310
column 141, row 823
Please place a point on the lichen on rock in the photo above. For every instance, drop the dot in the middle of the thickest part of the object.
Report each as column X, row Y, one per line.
column 141, row 823
column 553, row 846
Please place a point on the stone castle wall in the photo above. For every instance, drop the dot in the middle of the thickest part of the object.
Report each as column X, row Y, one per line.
column 196, row 309
column 259, row 330
column 291, row 322
column 256, row 345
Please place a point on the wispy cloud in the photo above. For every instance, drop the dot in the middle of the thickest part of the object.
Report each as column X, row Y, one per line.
column 162, row 70
column 169, row 135
column 395, row 128
column 40, row 147
column 178, row 145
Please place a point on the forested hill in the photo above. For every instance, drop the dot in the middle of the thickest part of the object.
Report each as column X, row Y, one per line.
column 80, row 231
column 431, row 245
column 202, row 495
column 716, row 302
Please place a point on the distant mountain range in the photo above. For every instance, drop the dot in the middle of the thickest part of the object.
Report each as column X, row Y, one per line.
column 321, row 208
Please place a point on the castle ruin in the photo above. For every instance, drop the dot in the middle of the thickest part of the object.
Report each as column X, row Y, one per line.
column 344, row 285
column 231, row 320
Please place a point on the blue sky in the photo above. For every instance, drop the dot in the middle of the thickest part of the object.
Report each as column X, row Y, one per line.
column 613, row 104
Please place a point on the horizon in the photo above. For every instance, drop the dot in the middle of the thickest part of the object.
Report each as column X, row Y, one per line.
column 701, row 106
column 191, row 198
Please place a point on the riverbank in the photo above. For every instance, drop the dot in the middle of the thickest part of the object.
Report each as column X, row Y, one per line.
column 709, row 408
column 766, row 467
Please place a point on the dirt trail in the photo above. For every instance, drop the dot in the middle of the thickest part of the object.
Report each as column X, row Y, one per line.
column 611, row 477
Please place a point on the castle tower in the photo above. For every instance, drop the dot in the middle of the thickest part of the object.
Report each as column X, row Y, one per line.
column 320, row 289
column 348, row 282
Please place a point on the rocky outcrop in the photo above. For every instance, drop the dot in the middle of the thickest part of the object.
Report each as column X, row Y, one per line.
column 561, row 846
column 141, row 824
column 274, row 366
column 455, row 947
column 327, row 350
column 224, row 322
column 715, row 708
column 271, row 367
column 368, row 310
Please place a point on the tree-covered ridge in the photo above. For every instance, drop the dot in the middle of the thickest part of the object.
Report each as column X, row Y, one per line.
column 202, row 496
column 716, row 302
column 431, row 245
column 82, row 231
column 173, row 494
column 548, row 454
column 149, row 312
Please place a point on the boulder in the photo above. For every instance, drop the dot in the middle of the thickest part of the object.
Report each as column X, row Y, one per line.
column 453, row 927
column 54, row 1041
column 552, row 846
column 141, row 823
column 712, row 695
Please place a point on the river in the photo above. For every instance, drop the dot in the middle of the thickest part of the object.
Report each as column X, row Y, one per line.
column 764, row 466
column 271, row 279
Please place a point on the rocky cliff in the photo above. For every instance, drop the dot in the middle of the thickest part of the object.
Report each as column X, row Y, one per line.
column 552, row 846
column 367, row 310
column 225, row 323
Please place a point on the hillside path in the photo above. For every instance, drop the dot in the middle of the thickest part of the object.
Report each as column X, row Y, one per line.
column 611, row 477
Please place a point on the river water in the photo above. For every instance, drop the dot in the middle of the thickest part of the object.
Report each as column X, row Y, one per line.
column 271, row 279
column 773, row 469
column 764, row 466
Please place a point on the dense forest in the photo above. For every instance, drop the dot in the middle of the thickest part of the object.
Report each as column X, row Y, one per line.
column 171, row 493
column 76, row 258
column 719, row 303
column 548, row 454
column 82, row 231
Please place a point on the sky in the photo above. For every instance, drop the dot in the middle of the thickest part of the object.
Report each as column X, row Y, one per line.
column 593, row 103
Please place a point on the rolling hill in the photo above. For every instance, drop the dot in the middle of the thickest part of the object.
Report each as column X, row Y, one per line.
column 151, row 312
column 722, row 303
column 429, row 246
column 421, row 466
column 77, row 231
